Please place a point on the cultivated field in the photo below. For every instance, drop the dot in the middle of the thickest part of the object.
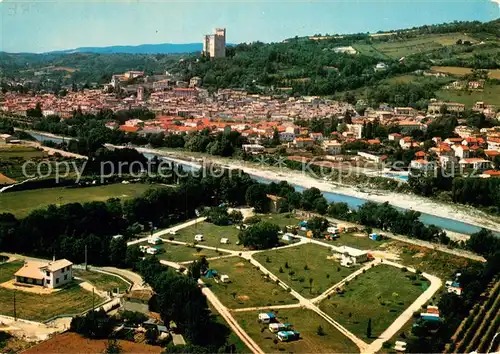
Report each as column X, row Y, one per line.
column 20, row 151
column 74, row 343
column 382, row 294
column 400, row 48
column 69, row 300
column 304, row 321
column 21, row 203
column 181, row 253
column 490, row 95
column 459, row 71
column 102, row 281
column 305, row 262
column 248, row 286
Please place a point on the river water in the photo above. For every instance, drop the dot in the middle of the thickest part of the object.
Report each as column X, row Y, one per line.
column 353, row 202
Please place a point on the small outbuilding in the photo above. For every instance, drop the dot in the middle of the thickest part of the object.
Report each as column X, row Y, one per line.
column 225, row 278
column 224, row 240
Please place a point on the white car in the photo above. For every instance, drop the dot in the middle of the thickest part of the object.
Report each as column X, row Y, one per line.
column 198, row 237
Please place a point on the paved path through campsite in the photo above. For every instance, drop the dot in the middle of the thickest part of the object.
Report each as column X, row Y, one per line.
column 311, row 304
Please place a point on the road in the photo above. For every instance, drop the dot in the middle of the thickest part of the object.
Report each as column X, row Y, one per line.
column 136, row 279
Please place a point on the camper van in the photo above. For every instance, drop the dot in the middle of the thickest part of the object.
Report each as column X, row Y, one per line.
column 267, row 317
column 198, row 237
column 278, row 327
column 286, row 336
column 152, row 250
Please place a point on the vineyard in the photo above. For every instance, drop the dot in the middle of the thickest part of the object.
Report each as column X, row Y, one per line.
column 476, row 332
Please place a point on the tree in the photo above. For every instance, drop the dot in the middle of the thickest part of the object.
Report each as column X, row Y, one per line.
column 320, row 331
column 369, row 328
column 35, row 112
column 262, row 235
column 310, row 284
column 236, row 216
column 133, row 255
column 118, row 252
column 256, row 197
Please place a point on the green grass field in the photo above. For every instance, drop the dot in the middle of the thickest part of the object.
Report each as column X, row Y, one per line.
column 490, row 95
column 69, row 300
column 323, row 271
column 382, row 294
column 304, row 321
column 248, row 287
column 180, row 253
column 21, row 203
column 20, row 151
column 102, row 281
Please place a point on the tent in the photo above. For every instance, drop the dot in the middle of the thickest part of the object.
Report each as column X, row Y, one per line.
column 210, row 273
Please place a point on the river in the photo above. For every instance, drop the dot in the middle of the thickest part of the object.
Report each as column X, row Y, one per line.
column 353, row 202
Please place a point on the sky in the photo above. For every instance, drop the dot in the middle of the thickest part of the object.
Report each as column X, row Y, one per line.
column 46, row 25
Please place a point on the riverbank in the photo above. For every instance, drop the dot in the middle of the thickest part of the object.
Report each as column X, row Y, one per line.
column 462, row 213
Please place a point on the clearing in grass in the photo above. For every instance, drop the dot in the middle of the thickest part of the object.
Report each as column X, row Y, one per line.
column 102, row 281
column 443, row 265
column 295, row 266
column 248, row 287
column 23, row 202
column 382, row 294
column 307, row 322
column 68, row 300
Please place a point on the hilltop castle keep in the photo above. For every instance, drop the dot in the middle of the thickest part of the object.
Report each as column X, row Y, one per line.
column 214, row 45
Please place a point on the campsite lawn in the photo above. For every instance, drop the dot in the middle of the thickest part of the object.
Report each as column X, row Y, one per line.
column 248, row 286
column 102, row 281
column 324, row 272
column 304, row 321
column 181, row 253
column 382, row 294
column 357, row 240
column 21, row 203
column 212, row 234
column 69, row 300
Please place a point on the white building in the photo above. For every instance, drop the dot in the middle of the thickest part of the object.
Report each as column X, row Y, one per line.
column 47, row 274
column 332, row 147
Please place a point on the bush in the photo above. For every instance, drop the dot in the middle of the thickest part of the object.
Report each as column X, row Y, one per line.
column 280, row 270
column 306, row 267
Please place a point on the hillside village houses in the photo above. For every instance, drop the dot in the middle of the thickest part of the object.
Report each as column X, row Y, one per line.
column 184, row 107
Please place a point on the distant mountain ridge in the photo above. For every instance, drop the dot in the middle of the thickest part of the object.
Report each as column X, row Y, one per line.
column 162, row 48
